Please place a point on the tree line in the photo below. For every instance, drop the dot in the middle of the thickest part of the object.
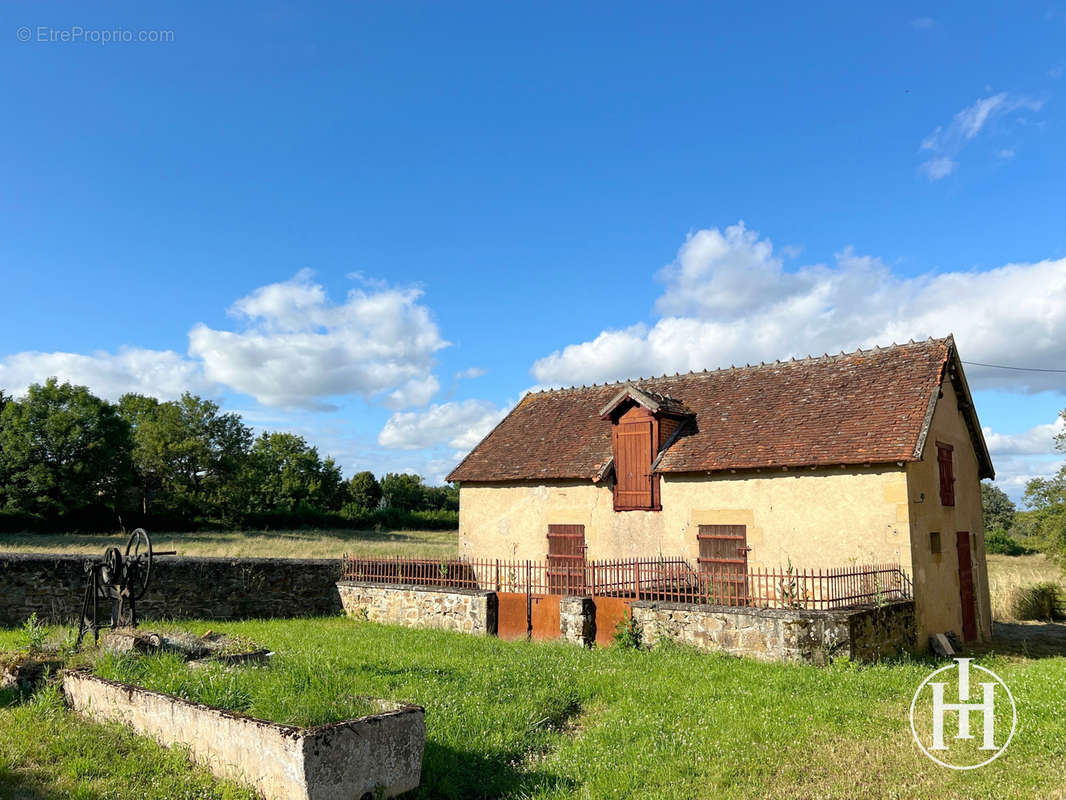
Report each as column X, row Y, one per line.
column 70, row 460
column 1041, row 527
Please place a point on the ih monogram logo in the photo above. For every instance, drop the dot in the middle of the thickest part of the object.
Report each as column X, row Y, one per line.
column 984, row 712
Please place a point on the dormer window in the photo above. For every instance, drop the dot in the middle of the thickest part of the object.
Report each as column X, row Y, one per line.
column 642, row 424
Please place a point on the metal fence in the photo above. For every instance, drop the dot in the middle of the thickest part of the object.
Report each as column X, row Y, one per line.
column 662, row 579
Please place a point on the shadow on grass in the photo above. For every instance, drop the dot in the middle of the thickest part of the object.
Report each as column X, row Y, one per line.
column 460, row 774
column 18, row 786
column 1026, row 639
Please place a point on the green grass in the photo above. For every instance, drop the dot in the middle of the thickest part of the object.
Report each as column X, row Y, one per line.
column 47, row 753
column 248, row 544
column 291, row 690
column 523, row 720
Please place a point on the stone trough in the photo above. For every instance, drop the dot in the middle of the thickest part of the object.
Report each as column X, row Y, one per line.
column 374, row 756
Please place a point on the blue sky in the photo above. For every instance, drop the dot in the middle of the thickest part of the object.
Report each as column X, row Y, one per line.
column 378, row 224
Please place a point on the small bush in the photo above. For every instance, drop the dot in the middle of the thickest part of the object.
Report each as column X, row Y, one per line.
column 628, row 633
column 1041, row 601
column 33, row 634
column 1003, row 543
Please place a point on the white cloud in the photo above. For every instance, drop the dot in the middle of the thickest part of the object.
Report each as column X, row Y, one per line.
column 728, row 300
column 459, row 425
column 1020, row 457
column 945, row 143
column 937, row 168
column 469, row 373
column 1014, row 472
column 1038, row 440
column 299, row 348
column 160, row 373
column 1006, row 153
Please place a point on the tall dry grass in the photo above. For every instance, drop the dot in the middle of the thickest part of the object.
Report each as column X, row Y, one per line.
column 1008, row 574
column 252, row 544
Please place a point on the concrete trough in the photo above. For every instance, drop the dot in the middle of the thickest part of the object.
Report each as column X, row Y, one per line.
column 377, row 755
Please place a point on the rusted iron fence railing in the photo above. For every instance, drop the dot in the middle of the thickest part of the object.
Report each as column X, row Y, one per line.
column 661, row 579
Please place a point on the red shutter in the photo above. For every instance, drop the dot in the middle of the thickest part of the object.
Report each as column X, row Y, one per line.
column 632, row 466
column 947, row 474
column 566, row 559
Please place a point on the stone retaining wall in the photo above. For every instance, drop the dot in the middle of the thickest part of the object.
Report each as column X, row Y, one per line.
column 208, row 588
column 354, row 759
column 463, row 610
column 812, row 637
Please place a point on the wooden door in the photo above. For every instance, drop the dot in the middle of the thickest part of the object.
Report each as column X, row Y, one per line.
column 723, row 563
column 566, row 559
column 969, row 616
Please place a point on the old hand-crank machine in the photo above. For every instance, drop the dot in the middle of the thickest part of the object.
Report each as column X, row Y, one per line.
column 121, row 578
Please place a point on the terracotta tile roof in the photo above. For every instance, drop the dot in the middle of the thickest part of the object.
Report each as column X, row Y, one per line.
column 864, row 407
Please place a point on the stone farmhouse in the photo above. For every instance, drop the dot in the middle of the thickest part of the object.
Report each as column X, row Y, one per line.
column 874, row 456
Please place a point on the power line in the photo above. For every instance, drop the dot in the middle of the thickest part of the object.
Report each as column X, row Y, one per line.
column 1019, row 369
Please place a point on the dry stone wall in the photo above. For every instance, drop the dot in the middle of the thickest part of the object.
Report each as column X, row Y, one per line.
column 463, row 610
column 208, row 588
column 812, row 637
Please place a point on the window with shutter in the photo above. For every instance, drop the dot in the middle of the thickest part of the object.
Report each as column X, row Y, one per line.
column 944, row 454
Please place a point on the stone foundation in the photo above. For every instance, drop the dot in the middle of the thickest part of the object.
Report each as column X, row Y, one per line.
column 463, row 610
column 813, row 637
column 379, row 755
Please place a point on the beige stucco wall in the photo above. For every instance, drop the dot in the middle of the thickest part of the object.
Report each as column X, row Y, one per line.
column 936, row 577
column 815, row 518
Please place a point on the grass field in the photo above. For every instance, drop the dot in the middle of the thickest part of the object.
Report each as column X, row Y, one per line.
column 1007, row 573
column 264, row 544
column 520, row 720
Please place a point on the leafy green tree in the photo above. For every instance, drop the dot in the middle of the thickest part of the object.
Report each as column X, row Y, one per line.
column 1047, row 498
column 62, row 450
column 284, row 473
column 997, row 508
column 440, row 498
column 364, row 490
column 403, row 492
column 189, row 455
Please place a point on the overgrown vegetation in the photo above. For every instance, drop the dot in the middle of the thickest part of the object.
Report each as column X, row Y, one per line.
column 1004, row 544
column 72, row 461
column 550, row 720
column 1042, row 527
column 628, row 633
column 1009, row 574
column 1040, row 601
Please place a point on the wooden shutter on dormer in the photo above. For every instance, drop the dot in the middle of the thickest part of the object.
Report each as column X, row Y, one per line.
column 634, row 439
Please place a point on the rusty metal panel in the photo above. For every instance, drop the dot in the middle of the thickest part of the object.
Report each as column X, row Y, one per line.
column 513, row 623
column 544, row 617
column 609, row 612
